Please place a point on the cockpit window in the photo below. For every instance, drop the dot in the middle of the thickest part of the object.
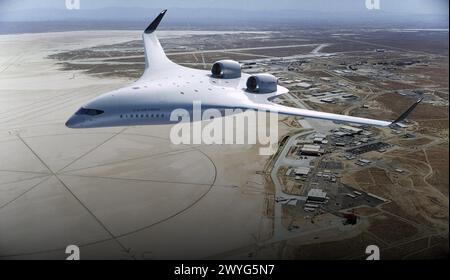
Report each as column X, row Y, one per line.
column 89, row 112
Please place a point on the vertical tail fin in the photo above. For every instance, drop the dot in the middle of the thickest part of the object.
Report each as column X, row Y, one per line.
column 152, row 27
column 155, row 58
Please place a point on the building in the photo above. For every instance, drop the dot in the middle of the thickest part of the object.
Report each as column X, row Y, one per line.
column 340, row 134
column 302, row 171
column 348, row 96
column 313, row 150
column 318, row 138
column 318, row 94
column 327, row 100
column 350, row 156
column 365, row 161
column 351, row 129
column 304, row 141
column 317, row 195
column 311, row 205
column 304, row 85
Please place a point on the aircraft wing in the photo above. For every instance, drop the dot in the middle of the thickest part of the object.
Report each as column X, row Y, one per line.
column 272, row 107
column 156, row 62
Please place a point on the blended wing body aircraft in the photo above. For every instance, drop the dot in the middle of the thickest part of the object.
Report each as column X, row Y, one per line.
column 166, row 86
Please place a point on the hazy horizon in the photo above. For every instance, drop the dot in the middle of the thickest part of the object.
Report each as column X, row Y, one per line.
column 52, row 15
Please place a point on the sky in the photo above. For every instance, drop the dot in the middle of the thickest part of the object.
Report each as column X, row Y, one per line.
column 392, row 6
column 222, row 11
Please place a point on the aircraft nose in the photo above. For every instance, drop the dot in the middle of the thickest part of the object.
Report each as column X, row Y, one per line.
column 74, row 121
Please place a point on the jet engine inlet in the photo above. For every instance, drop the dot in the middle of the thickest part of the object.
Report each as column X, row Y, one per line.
column 226, row 69
column 262, row 83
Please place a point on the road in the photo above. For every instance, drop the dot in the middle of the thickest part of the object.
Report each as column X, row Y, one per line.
column 280, row 232
column 309, row 126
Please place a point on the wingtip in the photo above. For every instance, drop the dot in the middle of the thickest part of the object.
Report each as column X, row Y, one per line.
column 152, row 27
column 405, row 114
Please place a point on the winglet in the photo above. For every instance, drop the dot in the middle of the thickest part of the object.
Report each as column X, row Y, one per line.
column 407, row 112
column 152, row 27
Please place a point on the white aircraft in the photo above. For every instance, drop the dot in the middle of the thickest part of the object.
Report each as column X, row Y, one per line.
column 166, row 86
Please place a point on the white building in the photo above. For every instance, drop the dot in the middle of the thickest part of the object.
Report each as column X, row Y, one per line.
column 311, row 150
column 317, row 195
column 351, row 129
column 302, row 171
column 304, row 85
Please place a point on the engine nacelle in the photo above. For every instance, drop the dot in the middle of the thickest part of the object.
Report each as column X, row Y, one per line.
column 262, row 83
column 226, row 69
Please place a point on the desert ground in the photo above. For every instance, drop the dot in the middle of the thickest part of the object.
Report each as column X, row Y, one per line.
column 129, row 193
column 114, row 192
